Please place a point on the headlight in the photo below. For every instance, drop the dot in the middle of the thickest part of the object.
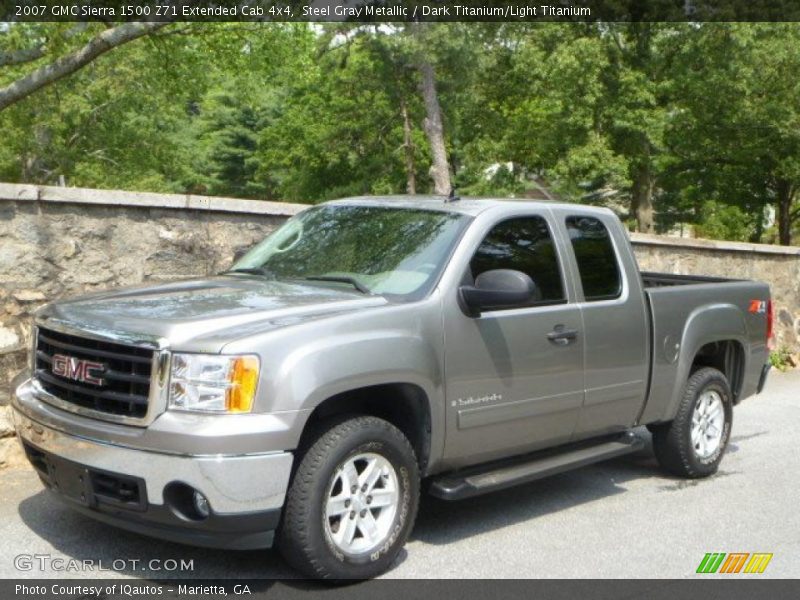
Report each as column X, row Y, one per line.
column 213, row 383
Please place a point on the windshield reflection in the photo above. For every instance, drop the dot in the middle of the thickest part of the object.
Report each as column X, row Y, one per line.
column 380, row 250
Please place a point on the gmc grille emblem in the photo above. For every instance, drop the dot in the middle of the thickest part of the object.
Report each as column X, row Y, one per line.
column 85, row 371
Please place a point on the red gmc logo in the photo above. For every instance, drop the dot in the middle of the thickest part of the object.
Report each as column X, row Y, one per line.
column 78, row 369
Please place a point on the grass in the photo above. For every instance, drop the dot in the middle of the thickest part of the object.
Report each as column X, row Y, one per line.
column 782, row 359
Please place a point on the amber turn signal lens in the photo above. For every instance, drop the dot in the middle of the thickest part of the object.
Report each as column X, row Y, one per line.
column 242, row 391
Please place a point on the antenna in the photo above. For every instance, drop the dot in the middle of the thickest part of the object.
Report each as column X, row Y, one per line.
column 452, row 197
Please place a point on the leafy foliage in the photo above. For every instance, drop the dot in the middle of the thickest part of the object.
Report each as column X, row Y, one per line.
column 699, row 123
column 782, row 359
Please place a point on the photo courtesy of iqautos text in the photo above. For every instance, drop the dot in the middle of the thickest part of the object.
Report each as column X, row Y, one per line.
column 418, row 298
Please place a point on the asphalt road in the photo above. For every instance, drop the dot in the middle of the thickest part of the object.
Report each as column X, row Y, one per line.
column 621, row 519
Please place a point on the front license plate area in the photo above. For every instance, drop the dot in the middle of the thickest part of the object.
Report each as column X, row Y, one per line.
column 65, row 477
column 72, row 480
column 86, row 485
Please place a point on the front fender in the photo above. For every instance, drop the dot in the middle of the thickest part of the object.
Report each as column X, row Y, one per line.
column 329, row 366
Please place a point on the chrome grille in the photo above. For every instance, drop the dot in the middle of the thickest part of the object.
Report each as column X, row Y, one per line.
column 125, row 374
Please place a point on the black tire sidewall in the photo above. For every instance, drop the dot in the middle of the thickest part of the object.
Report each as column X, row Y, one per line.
column 401, row 518
column 719, row 385
column 704, row 380
column 378, row 437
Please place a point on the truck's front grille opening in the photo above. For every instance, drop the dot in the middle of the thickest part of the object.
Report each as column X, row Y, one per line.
column 37, row 459
column 103, row 376
column 116, row 489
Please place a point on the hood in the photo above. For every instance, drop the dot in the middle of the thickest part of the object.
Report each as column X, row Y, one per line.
column 205, row 308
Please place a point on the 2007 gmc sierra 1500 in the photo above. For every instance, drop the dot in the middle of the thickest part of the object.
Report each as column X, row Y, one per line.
column 367, row 345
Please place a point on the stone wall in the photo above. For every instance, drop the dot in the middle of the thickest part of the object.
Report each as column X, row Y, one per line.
column 777, row 265
column 57, row 242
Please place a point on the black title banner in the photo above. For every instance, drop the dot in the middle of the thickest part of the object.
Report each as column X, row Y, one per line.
column 387, row 589
column 366, row 11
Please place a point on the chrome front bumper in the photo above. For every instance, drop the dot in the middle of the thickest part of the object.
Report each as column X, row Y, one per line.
column 237, row 486
column 232, row 484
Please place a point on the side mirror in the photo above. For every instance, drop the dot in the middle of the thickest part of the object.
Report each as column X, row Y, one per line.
column 498, row 288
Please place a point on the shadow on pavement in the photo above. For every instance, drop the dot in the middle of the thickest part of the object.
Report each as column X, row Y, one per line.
column 439, row 522
column 442, row 522
column 82, row 538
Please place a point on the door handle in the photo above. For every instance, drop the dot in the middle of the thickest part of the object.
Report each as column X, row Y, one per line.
column 562, row 336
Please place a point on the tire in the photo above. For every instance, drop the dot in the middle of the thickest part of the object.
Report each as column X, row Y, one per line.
column 695, row 452
column 316, row 543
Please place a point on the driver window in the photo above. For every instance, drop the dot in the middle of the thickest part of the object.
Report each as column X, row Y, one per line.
column 523, row 244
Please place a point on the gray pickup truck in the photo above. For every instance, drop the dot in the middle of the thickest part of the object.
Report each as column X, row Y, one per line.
column 371, row 345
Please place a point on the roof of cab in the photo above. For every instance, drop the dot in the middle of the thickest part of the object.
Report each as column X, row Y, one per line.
column 466, row 206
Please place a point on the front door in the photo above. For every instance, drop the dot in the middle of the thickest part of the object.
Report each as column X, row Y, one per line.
column 514, row 376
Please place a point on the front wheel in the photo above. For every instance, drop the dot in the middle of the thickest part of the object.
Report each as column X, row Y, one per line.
column 693, row 444
column 352, row 502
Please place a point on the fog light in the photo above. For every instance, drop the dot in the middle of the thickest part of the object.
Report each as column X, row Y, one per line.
column 201, row 504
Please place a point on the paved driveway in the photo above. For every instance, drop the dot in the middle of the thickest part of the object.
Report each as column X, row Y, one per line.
column 623, row 518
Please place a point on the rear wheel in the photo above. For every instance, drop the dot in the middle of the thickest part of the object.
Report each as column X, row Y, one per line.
column 693, row 444
column 352, row 502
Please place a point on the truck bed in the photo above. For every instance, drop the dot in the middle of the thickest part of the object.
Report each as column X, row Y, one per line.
column 652, row 279
column 676, row 304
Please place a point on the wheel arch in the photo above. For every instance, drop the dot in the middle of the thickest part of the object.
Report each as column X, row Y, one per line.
column 713, row 335
column 727, row 356
column 404, row 404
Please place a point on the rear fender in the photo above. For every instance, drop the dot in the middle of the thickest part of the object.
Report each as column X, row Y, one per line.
column 705, row 324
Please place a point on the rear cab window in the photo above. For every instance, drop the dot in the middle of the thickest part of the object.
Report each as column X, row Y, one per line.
column 596, row 258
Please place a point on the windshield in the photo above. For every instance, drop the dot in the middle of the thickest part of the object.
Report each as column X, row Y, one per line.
column 380, row 250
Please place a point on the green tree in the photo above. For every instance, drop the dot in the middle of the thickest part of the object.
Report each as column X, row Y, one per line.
column 24, row 44
column 664, row 122
column 339, row 129
column 547, row 115
column 582, row 105
column 115, row 123
column 736, row 133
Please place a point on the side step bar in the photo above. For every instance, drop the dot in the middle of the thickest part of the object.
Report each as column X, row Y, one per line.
column 511, row 472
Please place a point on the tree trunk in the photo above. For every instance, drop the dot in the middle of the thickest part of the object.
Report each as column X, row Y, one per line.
column 66, row 65
column 440, row 169
column 408, row 149
column 642, row 193
column 785, row 196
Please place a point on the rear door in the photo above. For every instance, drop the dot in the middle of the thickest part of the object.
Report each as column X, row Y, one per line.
column 512, row 386
column 615, row 324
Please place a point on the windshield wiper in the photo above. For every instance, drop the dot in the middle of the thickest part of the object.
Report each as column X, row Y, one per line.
column 341, row 279
column 252, row 270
